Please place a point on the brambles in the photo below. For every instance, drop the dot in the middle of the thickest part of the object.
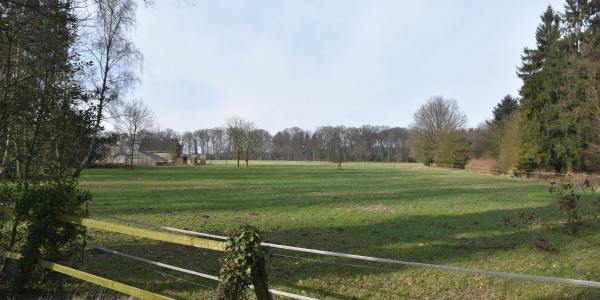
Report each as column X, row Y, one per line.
column 542, row 243
column 526, row 220
column 578, row 209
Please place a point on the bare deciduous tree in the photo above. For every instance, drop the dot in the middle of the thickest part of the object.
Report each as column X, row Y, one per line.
column 134, row 118
column 188, row 143
column 338, row 145
column 436, row 129
column 243, row 138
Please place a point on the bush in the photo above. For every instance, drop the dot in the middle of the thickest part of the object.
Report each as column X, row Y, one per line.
column 35, row 233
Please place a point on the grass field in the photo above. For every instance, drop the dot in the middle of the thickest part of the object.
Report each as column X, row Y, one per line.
column 401, row 212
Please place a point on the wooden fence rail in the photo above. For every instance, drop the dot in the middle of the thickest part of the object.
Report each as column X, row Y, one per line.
column 155, row 235
column 113, row 285
column 151, row 234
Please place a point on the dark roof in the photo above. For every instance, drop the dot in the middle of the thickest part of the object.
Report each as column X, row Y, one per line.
column 159, row 145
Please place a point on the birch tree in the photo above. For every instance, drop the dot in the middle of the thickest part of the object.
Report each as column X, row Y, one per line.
column 116, row 62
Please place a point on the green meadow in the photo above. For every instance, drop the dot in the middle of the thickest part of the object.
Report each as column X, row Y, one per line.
column 395, row 211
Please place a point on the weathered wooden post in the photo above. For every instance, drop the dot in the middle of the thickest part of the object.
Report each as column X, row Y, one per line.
column 260, row 279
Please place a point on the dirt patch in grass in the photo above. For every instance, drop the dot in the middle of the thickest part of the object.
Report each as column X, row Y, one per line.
column 324, row 194
column 369, row 207
column 185, row 188
column 142, row 179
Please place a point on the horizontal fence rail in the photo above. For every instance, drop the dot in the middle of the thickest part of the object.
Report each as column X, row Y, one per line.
column 151, row 234
column 587, row 283
column 146, row 233
column 113, row 285
column 182, row 270
column 155, row 235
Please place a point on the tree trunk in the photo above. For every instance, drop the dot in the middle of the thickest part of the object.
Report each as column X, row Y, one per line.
column 132, row 150
column 259, row 280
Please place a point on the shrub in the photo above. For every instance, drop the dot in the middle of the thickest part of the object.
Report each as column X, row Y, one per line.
column 42, row 236
column 577, row 209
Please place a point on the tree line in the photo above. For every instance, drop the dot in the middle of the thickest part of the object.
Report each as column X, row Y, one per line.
column 553, row 125
column 239, row 138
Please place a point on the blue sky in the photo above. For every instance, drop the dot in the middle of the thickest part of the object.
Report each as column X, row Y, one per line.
column 282, row 64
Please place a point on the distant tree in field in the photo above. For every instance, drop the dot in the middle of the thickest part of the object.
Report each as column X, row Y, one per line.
column 438, row 131
column 337, row 145
column 168, row 133
column 243, row 138
column 395, row 141
column 132, row 119
column 501, row 139
column 508, row 149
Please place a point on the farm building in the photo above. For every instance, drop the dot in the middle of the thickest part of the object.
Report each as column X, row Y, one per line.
column 150, row 152
column 156, row 151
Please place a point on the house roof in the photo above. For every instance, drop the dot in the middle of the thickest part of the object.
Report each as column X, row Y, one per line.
column 159, row 145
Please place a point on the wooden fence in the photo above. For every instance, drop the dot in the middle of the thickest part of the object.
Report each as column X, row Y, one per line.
column 216, row 245
column 151, row 234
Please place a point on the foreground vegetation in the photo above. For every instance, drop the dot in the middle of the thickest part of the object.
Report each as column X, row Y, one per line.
column 401, row 212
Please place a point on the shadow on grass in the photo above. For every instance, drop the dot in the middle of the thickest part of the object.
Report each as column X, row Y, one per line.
column 471, row 221
column 465, row 240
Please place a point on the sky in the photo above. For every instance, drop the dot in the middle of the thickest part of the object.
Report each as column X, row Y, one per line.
column 309, row 63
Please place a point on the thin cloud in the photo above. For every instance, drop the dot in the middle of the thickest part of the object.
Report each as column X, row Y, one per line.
column 306, row 64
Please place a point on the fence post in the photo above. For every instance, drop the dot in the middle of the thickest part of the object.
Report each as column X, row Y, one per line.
column 260, row 279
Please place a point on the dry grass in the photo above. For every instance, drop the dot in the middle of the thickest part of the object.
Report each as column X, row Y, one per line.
column 483, row 163
column 370, row 207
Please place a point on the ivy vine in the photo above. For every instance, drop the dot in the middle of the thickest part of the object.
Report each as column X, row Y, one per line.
column 241, row 265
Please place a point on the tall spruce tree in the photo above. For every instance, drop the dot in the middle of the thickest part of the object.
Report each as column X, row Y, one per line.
column 561, row 79
column 579, row 108
column 576, row 18
column 538, row 95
